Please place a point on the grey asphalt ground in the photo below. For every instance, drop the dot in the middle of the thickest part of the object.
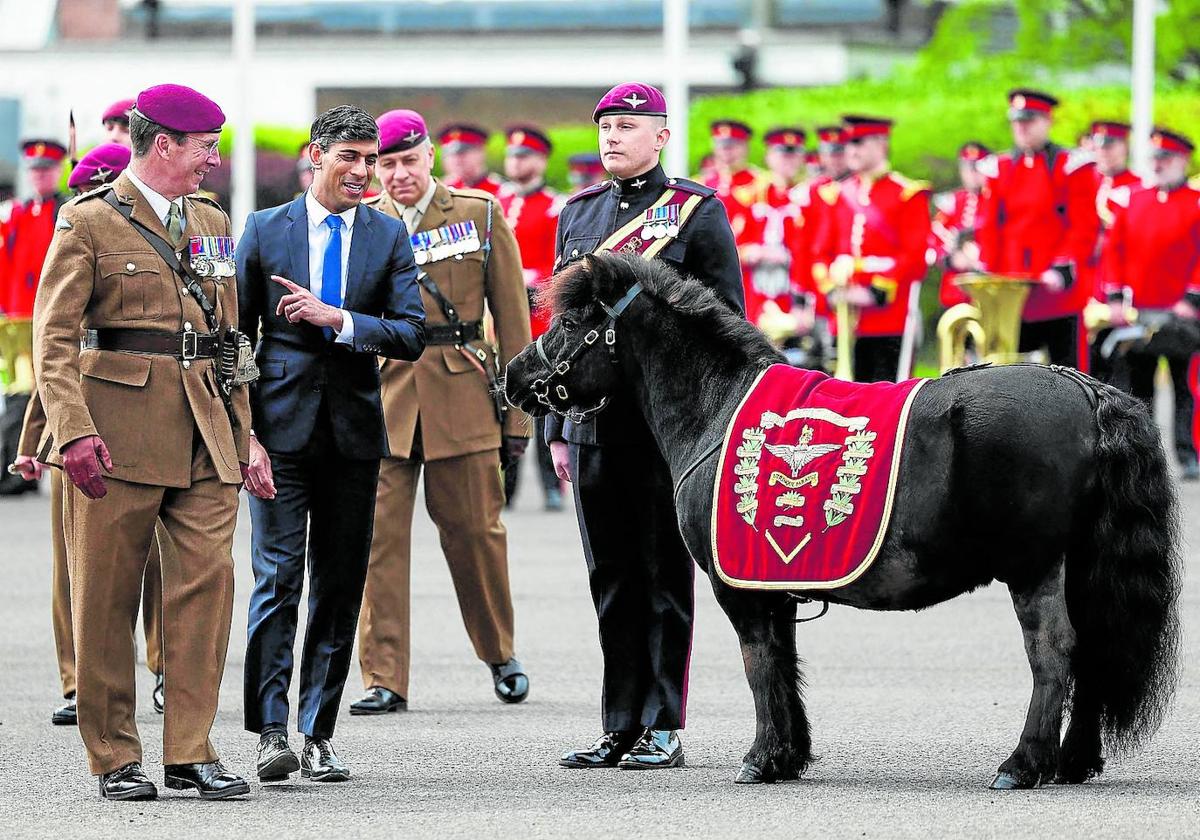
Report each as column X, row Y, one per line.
column 911, row 713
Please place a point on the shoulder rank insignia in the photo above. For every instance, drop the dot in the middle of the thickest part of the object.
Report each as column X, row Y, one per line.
column 1076, row 160
column 99, row 191
column 688, row 186
column 206, row 199
column 62, row 223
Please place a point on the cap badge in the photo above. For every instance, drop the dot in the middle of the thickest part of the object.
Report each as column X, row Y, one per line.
column 638, row 184
column 101, row 175
column 1018, row 101
column 635, row 101
column 518, row 138
column 412, row 136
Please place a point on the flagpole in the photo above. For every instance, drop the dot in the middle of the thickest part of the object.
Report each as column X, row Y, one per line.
column 1142, row 84
column 675, row 48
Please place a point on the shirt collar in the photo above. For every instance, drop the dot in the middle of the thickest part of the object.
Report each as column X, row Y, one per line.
column 158, row 202
column 648, row 182
column 317, row 212
column 422, row 203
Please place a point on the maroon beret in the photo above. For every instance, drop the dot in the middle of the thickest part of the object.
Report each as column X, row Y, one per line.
column 631, row 98
column 180, row 108
column 400, row 130
column 119, row 110
column 99, row 166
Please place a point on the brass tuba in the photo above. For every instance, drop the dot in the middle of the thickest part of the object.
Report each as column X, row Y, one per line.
column 992, row 320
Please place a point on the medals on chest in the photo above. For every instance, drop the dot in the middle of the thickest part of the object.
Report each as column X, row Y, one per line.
column 453, row 240
column 212, row 256
column 661, row 221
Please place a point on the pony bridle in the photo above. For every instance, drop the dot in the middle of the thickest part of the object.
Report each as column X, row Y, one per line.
column 541, row 387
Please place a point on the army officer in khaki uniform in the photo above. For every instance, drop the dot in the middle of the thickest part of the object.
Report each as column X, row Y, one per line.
column 441, row 416
column 138, row 421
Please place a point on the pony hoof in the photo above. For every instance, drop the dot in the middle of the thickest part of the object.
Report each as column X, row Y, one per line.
column 749, row 775
column 1007, row 781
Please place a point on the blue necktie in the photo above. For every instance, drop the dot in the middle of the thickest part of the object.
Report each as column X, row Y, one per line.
column 331, row 270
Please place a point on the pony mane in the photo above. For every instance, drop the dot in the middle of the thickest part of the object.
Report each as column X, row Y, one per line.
column 607, row 276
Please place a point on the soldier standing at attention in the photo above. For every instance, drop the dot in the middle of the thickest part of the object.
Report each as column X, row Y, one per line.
column 875, row 237
column 154, row 323
column 1038, row 220
column 443, row 417
column 531, row 211
column 1152, row 262
column 639, row 571
column 102, row 165
column 954, row 224
column 735, row 181
column 464, row 158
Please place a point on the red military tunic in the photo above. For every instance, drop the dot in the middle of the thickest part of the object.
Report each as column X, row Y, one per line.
column 29, row 233
column 1153, row 247
column 489, row 183
column 956, row 221
column 533, row 217
column 1039, row 212
column 882, row 223
column 737, row 191
column 775, row 261
column 1112, row 194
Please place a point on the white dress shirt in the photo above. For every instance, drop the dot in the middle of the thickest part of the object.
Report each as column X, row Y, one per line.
column 158, row 203
column 318, row 238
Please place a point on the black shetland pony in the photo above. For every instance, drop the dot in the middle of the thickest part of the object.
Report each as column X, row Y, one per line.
column 1038, row 477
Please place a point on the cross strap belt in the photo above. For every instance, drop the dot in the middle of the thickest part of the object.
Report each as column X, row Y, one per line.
column 459, row 332
column 185, row 346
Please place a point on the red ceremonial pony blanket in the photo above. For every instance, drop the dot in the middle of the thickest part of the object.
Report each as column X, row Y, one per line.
column 805, row 484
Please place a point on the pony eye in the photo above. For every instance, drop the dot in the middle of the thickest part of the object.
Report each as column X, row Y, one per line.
column 568, row 324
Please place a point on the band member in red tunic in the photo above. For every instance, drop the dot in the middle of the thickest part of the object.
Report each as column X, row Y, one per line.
column 1114, row 184
column 877, row 232
column 955, row 222
column 584, row 170
column 464, row 158
column 32, row 226
column 1038, row 220
column 774, row 257
column 531, row 210
column 1152, row 262
column 735, row 181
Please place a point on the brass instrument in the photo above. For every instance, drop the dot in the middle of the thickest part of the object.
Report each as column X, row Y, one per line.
column 16, row 355
column 1097, row 316
column 992, row 321
column 841, row 270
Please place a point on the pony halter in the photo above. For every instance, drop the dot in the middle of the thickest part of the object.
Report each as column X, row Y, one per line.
column 541, row 387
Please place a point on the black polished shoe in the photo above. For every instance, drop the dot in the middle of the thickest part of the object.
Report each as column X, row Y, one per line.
column 158, row 696
column 606, row 752
column 211, row 779
column 379, row 701
column 510, row 681
column 129, row 782
column 275, row 758
column 320, row 763
column 657, row 748
column 65, row 715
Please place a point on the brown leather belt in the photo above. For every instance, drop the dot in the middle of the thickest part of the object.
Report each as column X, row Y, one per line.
column 459, row 333
column 184, row 345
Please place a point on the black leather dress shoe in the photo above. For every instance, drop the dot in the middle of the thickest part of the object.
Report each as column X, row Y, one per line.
column 158, row 696
column 510, row 681
column 65, row 715
column 211, row 779
column 657, row 748
column 606, row 752
column 379, row 701
column 129, row 782
column 320, row 763
column 275, row 758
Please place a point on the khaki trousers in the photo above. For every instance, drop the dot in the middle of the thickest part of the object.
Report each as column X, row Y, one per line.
column 464, row 496
column 60, row 603
column 109, row 540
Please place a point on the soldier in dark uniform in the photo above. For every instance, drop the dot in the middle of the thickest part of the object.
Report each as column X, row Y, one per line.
column 639, row 570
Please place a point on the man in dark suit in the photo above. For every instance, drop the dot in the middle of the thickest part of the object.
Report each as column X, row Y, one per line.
column 333, row 283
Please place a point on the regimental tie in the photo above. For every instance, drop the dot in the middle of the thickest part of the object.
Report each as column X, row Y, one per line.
column 331, row 269
column 175, row 224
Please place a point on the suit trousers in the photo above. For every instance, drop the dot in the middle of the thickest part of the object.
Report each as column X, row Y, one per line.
column 641, row 577
column 60, row 597
column 464, row 497
column 109, row 540
column 324, row 502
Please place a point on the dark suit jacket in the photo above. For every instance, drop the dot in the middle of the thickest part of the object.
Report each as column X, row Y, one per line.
column 299, row 365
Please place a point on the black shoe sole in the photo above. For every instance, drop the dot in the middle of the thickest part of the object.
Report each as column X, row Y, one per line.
column 397, row 707
column 335, row 776
column 580, row 765
column 242, row 789
column 142, row 794
column 64, row 721
column 633, row 765
column 279, row 768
